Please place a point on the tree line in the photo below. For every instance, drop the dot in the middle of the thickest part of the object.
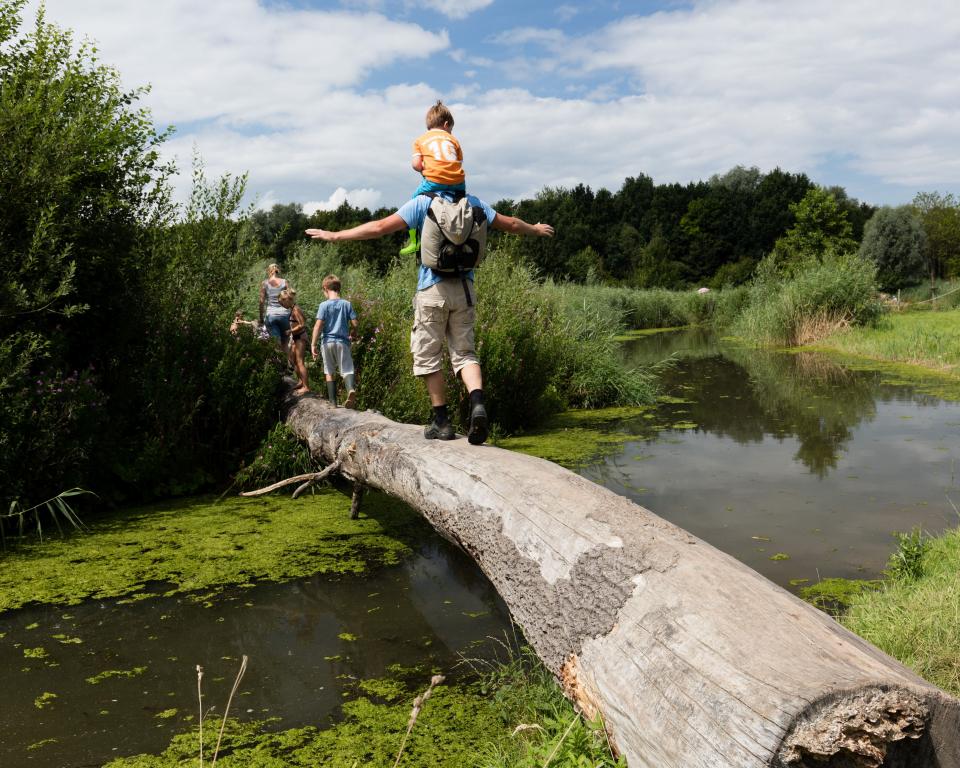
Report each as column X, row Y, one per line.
column 708, row 233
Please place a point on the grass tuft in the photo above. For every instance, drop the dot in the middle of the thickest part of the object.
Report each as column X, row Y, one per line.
column 915, row 615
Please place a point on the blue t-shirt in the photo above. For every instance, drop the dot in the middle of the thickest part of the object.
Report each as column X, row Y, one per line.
column 336, row 315
column 414, row 211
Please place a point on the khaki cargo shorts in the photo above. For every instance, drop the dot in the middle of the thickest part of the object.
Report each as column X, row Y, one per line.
column 441, row 313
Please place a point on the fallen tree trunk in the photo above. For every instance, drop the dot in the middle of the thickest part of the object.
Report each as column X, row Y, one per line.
column 692, row 659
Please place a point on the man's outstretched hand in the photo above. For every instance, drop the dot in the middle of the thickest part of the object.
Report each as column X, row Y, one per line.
column 543, row 230
column 320, row 234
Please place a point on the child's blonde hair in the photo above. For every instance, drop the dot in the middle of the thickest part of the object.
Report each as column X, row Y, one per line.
column 273, row 269
column 438, row 115
column 288, row 294
column 331, row 283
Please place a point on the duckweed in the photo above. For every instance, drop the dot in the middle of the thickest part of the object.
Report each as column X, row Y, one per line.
column 199, row 544
column 41, row 743
column 107, row 674
column 45, row 699
column 573, row 438
column 834, row 595
column 386, row 689
column 448, row 732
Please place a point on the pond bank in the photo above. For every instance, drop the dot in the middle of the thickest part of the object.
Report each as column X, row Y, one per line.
column 926, row 340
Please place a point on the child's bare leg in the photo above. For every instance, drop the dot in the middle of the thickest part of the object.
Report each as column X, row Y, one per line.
column 300, row 349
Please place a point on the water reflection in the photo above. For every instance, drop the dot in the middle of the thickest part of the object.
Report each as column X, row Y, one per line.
column 309, row 642
column 787, row 454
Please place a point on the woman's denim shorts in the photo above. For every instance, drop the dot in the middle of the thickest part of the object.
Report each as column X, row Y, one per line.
column 278, row 325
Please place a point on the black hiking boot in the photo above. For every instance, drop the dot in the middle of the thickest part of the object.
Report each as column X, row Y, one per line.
column 478, row 425
column 434, row 431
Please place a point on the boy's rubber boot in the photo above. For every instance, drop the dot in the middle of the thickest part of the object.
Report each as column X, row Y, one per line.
column 412, row 245
column 332, row 393
column 350, row 380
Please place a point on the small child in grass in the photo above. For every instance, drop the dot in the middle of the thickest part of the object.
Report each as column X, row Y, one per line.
column 336, row 320
column 298, row 337
column 438, row 157
column 238, row 320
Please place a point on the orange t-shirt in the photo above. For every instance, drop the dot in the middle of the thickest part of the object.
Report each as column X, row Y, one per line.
column 442, row 156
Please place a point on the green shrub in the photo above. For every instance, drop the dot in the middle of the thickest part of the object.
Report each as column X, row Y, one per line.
column 117, row 371
column 906, row 563
column 811, row 301
column 281, row 455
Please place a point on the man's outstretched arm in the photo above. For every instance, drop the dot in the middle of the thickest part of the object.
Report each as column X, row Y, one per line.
column 369, row 231
column 517, row 226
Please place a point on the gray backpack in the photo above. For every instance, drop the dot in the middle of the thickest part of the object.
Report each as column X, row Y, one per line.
column 454, row 235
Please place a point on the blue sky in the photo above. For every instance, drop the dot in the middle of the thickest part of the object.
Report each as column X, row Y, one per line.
column 320, row 101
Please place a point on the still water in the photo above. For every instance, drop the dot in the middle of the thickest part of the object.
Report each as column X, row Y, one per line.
column 124, row 674
column 787, row 456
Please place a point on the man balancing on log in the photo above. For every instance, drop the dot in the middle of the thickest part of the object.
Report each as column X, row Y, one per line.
column 453, row 232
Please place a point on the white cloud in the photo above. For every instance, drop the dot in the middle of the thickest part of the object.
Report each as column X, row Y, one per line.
column 359, row 198
column 679, row 95
column 802, row 81
column 236, row 60
column 455, row 9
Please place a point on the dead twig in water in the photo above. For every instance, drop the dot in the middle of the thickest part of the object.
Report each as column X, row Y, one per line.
column 310, row 477
column 415, row 713
column 226, row 712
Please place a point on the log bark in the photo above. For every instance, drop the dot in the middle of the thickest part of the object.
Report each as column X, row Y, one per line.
column 692, row 659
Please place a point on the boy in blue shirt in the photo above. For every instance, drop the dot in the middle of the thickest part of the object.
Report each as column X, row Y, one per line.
column 442, row 313
column 335, row 320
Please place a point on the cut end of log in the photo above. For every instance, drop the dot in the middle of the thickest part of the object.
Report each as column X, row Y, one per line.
column 869, row 728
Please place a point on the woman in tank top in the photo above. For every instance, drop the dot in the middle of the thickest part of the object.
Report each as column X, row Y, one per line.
column 275, row 317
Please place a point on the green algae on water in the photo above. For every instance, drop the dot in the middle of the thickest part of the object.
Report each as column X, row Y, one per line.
column 45, row 699
column 35, row 653
column 107, row 674
column 67, row 640
column 941, row 384
column 198, row 544
column 386, row 689
column 452, row 727
column 834, row 595
column 40, row 744
column 461, row 724
column 574, row 438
